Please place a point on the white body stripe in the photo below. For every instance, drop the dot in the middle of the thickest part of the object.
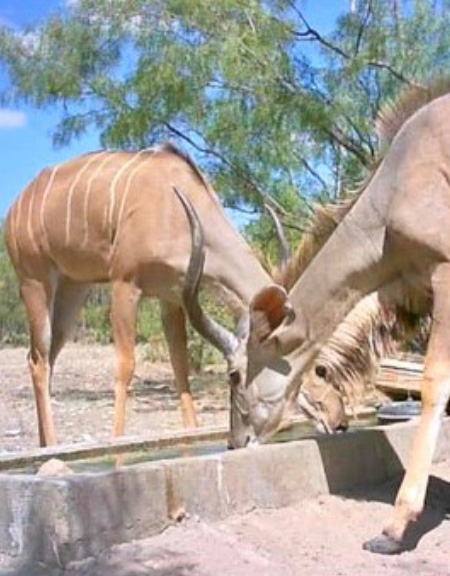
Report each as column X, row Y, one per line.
column 112, row 189
column 30, row 215
column 72, row 190
column 44, row 200
column 92, row 177
column 124, row 199
column 17, row 221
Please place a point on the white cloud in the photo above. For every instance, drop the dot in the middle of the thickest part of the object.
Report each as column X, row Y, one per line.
column 12, row 118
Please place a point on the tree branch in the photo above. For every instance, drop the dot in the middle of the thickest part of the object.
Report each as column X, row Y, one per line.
column 363, row 26
column 311, row 171
column 311, row 33
column 345, row 142
column 395, row 73
column 219, row 156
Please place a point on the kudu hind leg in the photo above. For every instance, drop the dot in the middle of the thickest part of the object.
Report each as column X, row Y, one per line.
column 435, row 394
column 174, row 325
column 125, row 301
column 70, row 297
column 38, row 298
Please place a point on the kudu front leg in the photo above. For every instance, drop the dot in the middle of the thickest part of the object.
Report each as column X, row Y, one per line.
column 125, row 301
column 410, row 498
column 174, row 324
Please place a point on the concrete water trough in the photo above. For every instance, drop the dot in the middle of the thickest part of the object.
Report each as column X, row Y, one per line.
column 59, row 519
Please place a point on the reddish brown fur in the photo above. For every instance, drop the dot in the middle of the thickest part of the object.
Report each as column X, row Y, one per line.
column 114, row 217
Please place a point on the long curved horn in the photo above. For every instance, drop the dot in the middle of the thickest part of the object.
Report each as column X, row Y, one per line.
column 217, row 335
column 285, row 250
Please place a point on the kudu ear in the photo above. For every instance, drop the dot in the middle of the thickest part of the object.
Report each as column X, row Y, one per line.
column 267, row 310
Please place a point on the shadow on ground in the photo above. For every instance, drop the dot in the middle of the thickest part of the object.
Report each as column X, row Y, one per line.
column 436, row 511
column 374, row 461
column 99, row 568
column 204, row 387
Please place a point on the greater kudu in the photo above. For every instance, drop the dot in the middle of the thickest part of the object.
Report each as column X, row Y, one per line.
column 394, row 239
column 115, row 217
column 350, row 359
column 135, row 220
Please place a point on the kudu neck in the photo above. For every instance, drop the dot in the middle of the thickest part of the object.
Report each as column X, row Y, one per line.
column 350, row 265
column 231, row 262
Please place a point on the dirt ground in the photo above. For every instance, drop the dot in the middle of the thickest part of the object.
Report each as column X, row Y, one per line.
column 317, row 537
column 83, row 399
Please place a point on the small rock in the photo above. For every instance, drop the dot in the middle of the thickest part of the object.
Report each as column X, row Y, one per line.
column 54, row 467
column 178, row 515
column 12, row 433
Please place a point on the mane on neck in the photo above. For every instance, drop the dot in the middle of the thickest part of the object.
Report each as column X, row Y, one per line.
column 395, row 112
column 323, row 223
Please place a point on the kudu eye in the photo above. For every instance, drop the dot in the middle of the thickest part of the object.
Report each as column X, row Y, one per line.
column 235, row 377
column 321, row 371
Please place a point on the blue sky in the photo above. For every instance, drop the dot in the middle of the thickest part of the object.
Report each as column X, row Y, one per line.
column 25, row 133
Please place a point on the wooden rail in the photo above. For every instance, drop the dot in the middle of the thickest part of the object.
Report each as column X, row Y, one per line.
column 400, row 378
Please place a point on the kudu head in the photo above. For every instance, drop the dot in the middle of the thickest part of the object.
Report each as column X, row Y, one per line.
column 262, row 379
column 321, row 399
column 269, row 378
column 276, row 368
column 222, row 339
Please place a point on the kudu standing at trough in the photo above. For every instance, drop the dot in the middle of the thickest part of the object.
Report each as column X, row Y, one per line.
column 115, row 217
column 394, row 239
column 350, row 359
column 135, row 220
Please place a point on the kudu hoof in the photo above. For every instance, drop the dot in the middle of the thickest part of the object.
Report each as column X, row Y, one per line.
column 383, row 544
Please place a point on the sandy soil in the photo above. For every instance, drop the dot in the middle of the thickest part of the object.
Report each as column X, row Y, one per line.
column 83, row 399
column 318, row 537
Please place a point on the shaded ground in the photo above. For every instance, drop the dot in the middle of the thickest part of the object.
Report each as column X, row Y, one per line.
column 318, row 537
column 84, row 399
